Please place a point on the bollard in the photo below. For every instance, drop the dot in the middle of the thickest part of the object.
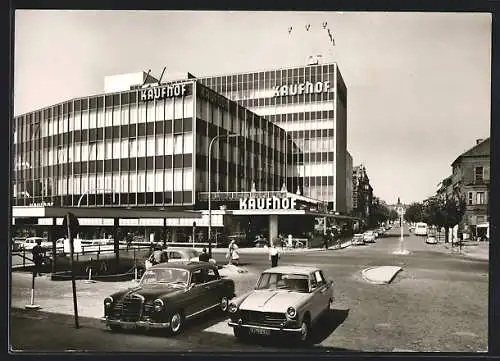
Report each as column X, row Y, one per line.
column 32, row 305
column 90, row 280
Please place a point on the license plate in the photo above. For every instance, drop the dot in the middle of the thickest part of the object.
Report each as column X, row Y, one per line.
column 259, row 331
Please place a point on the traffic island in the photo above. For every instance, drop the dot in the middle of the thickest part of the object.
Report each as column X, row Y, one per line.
column 380, row 275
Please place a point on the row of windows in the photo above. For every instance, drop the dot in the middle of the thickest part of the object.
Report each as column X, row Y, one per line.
column 270, row 78
column 171, row 109
column 251, row 100
column 477, row 198
column 280, row 118
column 120, row 199
column 114, row 149
column 310, row 125
column 311, row 169
column 90, row 103
column 294, row 108
column 143, row 181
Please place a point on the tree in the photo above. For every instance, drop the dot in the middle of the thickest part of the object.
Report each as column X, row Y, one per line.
column 446, row 212
column 393, row 215
column 380, row 213
column 414, row 213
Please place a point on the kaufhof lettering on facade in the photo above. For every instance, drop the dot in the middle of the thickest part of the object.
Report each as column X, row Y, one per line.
column 302, row 88
column 168, row 91
column 267, row 203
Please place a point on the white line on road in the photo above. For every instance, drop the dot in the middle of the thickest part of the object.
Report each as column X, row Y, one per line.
column 221, row 327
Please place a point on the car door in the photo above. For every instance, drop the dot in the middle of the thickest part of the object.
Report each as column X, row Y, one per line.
column 324, row 291
column 199, row 294
column 213, row 287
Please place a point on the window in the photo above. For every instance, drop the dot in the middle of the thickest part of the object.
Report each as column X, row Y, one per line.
column 212, row 275
column 174, row 255
column 480, row 199
column 478, row 175
column 318, row 276
column 469, row 199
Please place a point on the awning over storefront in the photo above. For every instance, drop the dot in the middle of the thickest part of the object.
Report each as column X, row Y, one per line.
column 103, row 212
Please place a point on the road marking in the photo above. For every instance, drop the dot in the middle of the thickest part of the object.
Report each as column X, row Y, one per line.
column 465, row 333
column 220, row 327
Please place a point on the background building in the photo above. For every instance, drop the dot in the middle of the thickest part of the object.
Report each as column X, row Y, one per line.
column 470, row 179
column 310, row 103
column 349, row 184
column 362, row 192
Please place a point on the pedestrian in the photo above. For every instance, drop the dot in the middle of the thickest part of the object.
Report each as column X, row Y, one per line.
column 38, row 252
column 274, row 254
column 159, row 255
column 204, row 257
column 232, row 253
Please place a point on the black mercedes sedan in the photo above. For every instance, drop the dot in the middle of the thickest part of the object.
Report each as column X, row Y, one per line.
column 167, row 295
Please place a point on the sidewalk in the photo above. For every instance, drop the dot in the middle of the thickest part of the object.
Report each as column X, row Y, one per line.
column 475, row 250
column 262, row 250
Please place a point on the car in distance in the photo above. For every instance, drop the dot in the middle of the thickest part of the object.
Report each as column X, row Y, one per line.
column 286, row 300
column 167, row 295
column 369, row 237
column 177, row 254
column 420, row 229
column 431, row 240
column 358, row 239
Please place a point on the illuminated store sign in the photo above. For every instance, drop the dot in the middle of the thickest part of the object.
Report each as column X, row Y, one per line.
column 168, row 91
column 267, row 203
column 302, row 88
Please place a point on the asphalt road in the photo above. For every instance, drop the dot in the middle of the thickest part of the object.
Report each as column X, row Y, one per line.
column 438, row 302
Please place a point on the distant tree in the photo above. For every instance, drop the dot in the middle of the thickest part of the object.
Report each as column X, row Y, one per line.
column 393, row 215
column 414, row 213
column 446, row 212
column 380, row 213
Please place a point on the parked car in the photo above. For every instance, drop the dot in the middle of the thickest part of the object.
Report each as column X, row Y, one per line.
column 167, row 295
column 30, row 242
column 431, row 240
column 369, row 237
column 358, row 239
column 286, row 300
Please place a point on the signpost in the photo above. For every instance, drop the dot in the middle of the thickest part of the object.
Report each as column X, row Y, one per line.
column 401, row 211
column 71, row 224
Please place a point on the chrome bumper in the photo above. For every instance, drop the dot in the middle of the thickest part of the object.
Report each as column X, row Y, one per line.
column 141, row 324
column 236, row 324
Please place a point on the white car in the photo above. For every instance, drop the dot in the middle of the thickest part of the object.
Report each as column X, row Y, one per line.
column 358, row 239
column 30, row 242
column 369, row 237
column 286, row 300
column 431, row 240
column 183, row 254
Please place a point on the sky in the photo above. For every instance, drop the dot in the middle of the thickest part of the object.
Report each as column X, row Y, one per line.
column 418, row 83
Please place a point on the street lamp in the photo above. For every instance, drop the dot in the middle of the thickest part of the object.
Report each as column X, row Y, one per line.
column 210, row 187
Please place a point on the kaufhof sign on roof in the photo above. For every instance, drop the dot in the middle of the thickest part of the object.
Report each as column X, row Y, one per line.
column 267, row 203
column 163, row 92
column 302, row 88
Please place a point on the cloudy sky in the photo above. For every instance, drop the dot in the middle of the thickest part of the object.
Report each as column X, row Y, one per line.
column 418, row 83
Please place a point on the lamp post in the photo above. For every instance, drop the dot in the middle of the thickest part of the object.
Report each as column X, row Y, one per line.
column 210, row 187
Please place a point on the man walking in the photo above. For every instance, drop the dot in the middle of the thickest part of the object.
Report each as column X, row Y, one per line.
column 273, row 254
column 38, row 253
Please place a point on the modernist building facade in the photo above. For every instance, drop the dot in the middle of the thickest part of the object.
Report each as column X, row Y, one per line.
column 310, row 103
column 143, row 148
column 144, row 144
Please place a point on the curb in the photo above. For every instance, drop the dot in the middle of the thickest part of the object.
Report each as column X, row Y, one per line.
column 377, row 282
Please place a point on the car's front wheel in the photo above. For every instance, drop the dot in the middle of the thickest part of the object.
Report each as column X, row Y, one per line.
column 305, row 331
column 115, row 328
column 176, row 323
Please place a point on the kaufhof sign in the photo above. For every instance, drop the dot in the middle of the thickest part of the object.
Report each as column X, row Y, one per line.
column 168, row 91
column 302, row 88
column 267, row 203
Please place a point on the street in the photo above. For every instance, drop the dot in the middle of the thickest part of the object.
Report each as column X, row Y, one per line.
column 438, row 302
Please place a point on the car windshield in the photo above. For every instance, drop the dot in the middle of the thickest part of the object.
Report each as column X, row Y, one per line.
column 165, row 275
column 192, row 253
column 283, row 281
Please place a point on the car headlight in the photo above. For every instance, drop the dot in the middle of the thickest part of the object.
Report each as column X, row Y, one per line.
column 291, row 312
column 232, row 308
column 158, row 305
column 108, row 301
